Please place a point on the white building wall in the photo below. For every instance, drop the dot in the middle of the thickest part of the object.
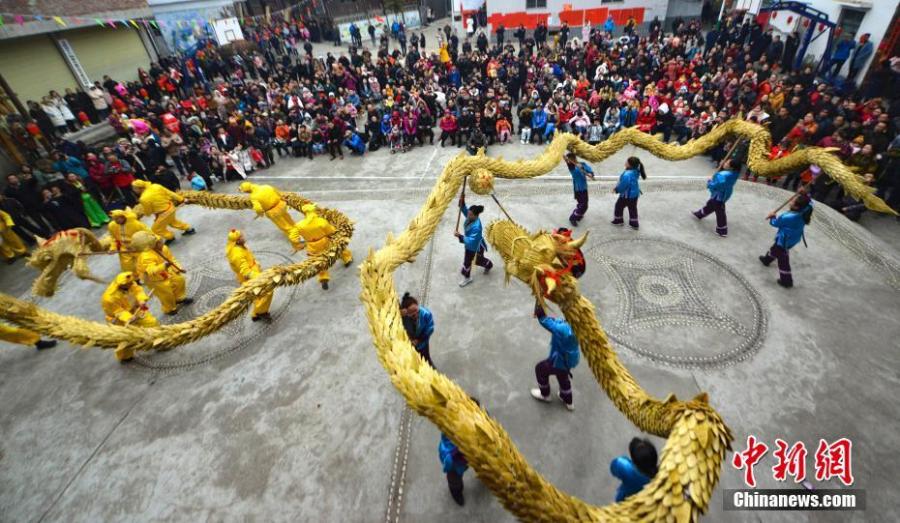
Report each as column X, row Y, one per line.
column 877, row 20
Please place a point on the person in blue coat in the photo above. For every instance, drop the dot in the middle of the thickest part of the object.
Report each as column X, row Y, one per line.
column 473, row 240
column 720, row 186
column 629, row 191
column 455, row 465
column 635, row 470
column 580, row 172
column 538, row 123
column 418, row 324
column 353, row 142
column 563, row 358
column 841, row 54
column 790, row 226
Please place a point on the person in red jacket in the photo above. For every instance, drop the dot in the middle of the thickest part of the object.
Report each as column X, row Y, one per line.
column 449, row 128
column 119, row 172
column 646, row 121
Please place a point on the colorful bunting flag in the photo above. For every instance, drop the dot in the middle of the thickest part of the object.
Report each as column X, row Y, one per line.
column 134, row 24
column 59, row 21
column 39, row 18
column 1, row 20
column 19, row 19
column 99, row 22
column 111, row 22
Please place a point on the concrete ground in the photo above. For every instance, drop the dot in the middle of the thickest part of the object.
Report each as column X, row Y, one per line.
column 298, row 421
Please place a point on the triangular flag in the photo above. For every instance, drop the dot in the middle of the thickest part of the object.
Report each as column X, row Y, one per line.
column 39, row 18
column 19, row 19
column 1, row 20
column 109, row 21
column 154, row 24
column 134, row 24
column 145, row 22
column 59, row 21
column 99, row 22
column 123, row 22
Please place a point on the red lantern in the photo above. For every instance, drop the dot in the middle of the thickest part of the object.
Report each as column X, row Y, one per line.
column 790, row 19
column 838, row 31
column 775, row 14
column 805, row 22
column 821, row 27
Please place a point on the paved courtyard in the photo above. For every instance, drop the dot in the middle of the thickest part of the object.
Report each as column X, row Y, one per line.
column 297, row 420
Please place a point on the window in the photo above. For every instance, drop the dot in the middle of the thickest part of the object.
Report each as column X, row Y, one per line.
column 611, row 1
column 535, row 4
column 850, row 20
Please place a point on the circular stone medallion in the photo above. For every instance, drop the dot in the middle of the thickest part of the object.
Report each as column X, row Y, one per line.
column 675, row 304
column 209, row 283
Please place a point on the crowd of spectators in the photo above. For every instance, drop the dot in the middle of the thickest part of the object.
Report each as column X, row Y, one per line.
column 222, row 113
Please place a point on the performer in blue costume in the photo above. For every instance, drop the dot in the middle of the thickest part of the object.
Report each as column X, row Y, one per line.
column 720, row 186
column 629, row 190
column 419, row 325
column 473, row 240
column 790, row 226
column 580, row 172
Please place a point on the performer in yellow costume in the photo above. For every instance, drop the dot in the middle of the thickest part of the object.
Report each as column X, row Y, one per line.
column 158, row 268
column 157, row 200
column 122, row 227
column 317, row 232
column 10, row 243
column 267, row 201
column 125, row 303
column 245, row 267
column 13, row 334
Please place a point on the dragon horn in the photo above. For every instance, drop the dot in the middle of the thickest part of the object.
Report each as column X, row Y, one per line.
column 577, row 243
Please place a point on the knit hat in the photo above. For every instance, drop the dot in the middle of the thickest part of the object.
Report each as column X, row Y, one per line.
column 124, row 278
column 234, row 235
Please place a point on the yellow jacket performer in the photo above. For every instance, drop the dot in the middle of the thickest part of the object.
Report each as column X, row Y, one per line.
column 159, row 201
column 18, row 335
column 317, row 232
column 10, row 243
column 267, row 201
column 122, row 227
column 157, row 267
column 125, row 303
column 245, row 267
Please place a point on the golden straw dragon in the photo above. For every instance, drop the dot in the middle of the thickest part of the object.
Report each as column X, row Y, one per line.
column 697, row 437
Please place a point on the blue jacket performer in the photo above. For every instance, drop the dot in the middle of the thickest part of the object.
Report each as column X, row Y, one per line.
column 563, row 358
column 720, row 186
column 418, row 324
column 629, row 191
column 473, row 240
column 580, row 172
column 790, row 226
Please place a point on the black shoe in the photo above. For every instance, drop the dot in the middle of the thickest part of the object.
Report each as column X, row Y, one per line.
column 574, row 222
column 324, row 285
column 619, row 224
column 764, row 261
column 784, row 284
column 186, row 301
column 189, row 232
column 266, row 317
column 45, row 344
column 170, row 240
column 173, row 313
column 635, row 227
